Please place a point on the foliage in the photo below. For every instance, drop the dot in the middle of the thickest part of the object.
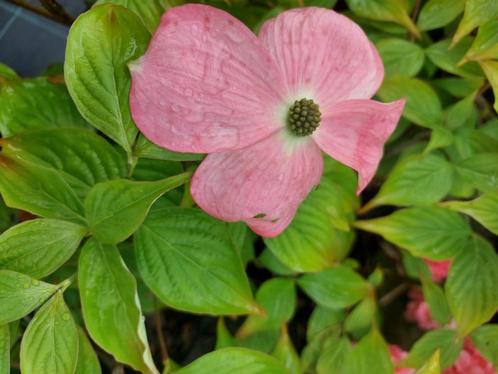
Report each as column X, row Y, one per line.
column 116, row 241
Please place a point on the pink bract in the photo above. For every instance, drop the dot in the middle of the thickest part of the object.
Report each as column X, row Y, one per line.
column 207, row 84
column 439, row 269
column 417, row 310
column 397, row 355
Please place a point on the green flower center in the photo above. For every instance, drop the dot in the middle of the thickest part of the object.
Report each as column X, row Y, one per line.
column 304, row 117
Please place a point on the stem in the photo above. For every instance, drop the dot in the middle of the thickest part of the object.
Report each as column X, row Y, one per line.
column 159, row 331
column 392, row 295
column 56, row 9
column 42, row 12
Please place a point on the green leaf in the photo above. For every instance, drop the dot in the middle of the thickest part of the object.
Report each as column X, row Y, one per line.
column 477, row 13
column 100, row 44
column 445, row 340
column 491, row 70
column 361, row 318
column 36, row 104
column 338, row 287
column 458, row 87
column 423, row 106
column 235, row 360
column 39, row 190
column 277, row 298
column 88, row 363
column 223, row 336
column 416, row 180
column 370, row 355
column 438, row 13
column 82, row 157
column 269, row 261
column 471, row 285
column 149, row 11
column 484, row 210
column 7, row 72
column 333, row 355
column 187, row 259
column 286, row 353
column 50, row 343
column 447, row 58
column 384, row 10
column 485, row 45
column 485, row 339
column 4, row 348
column 39, row 247
column 146, row 149
column 116, row 209
column 110, row 306
column 20, row 295
column 431, row 232
column 435, row 298
column 461, row 114
column 400, row 57
column 322, row 318
column 480, row 171
column 440, row 138
column 311, row 243
column 432, row 365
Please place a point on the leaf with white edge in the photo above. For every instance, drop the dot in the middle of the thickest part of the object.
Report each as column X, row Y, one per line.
column 484, row 209
column 188, row 260
column 471, row 285
column 485, row 339
column 20, row 295
column 430, row 232
column 38, row 190
column 145, row 149
column 110, row 305
column 384, row 10
column 480, row 171
column 277, row 298
column 485, row 45
column 423, row 106
column 149, row 11
column 82, row 157
column 36, row 104
column 432, row 365
column 446, row 340
column 447, row 58
column 5, row 349
column 490, row 68
column 317, row 237
column 370, row 355
column 477, row 13
column 88, row 363
column 100, row 44
column 416, row 180
column 438, row 13
column 286, row 353
column 338, row 287
column 116, row 209
column 400, row 57
column 50, row 343
column 39, row 247
column 235, row 360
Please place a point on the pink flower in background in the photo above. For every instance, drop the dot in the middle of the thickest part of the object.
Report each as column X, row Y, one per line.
column 470, row 361
column 397, row 355
column 417, row 310
column 439, row 269
column 263, row 107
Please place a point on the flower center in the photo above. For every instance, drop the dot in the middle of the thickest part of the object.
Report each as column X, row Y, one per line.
column 304, row 117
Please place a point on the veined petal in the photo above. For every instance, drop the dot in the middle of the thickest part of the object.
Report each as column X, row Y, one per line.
column 205, row 84
column 323, row 52
column 354, row 133
column 262, row 184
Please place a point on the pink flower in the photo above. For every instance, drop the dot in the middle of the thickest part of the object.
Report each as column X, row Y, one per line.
column 417, row 310
column 397, row 355
column 207, row 84
column 439, row 269
column 470, row 361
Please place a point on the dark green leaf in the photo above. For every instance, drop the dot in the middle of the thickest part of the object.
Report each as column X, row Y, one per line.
column 400, row 57
column 146, row 149
column 435, row 298
column 480, row 171
column 4, row 349
column 439, row 13
column 187, row 259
